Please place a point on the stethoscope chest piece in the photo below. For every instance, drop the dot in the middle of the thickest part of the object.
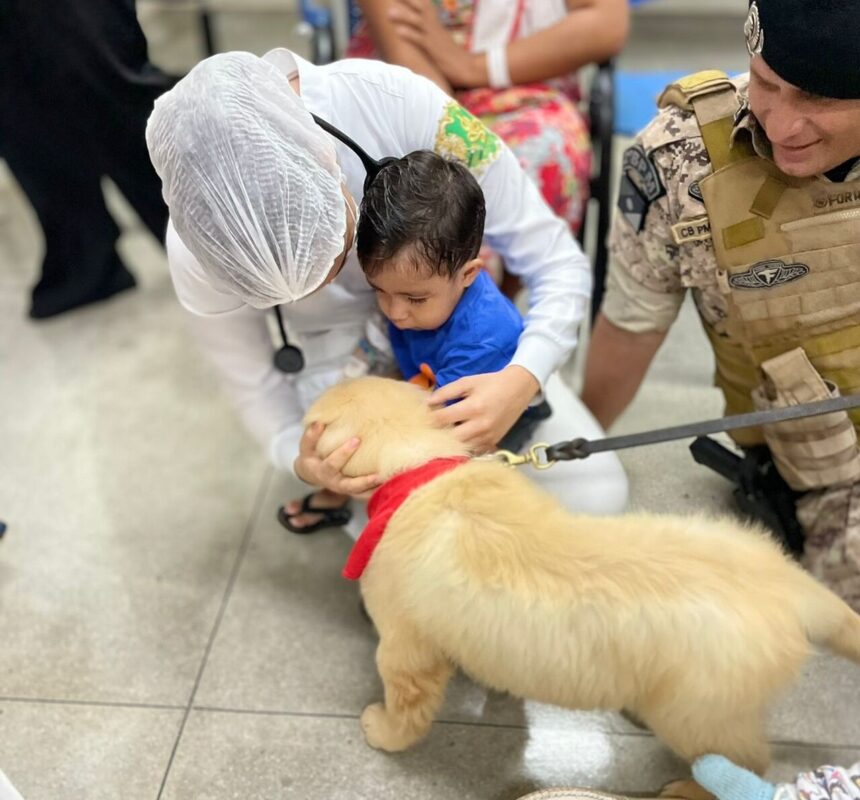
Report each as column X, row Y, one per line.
column 289, row 359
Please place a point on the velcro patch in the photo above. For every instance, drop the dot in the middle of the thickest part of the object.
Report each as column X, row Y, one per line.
column 769, row 273
column 695, row 191
column 692, row 230
column 641, row 170
column 640, row 186
column 837, row 198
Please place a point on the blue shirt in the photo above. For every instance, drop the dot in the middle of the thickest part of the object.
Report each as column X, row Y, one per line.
column 480, row 336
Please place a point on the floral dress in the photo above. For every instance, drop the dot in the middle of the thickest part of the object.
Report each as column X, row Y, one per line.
column 540, row 122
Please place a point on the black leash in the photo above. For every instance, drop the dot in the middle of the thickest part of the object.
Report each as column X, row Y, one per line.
column 542, row 456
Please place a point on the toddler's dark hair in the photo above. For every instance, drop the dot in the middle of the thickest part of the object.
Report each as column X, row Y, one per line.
column 426, row 205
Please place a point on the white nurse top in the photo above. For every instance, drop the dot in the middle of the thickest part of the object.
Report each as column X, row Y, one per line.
column 388, row 111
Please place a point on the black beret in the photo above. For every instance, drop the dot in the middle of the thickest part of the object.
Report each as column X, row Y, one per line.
column 809, row 43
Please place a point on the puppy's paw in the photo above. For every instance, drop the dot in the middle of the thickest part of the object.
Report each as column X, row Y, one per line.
column 380, row 732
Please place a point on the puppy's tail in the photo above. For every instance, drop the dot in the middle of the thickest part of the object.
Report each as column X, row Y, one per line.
column 831, row 622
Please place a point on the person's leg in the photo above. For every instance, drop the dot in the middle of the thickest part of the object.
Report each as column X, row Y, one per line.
column 80, row 264
column 550, row 139
column 68, row 78
column 124, row 86
column 831, row 523
column 329, row 356
column 140, row 185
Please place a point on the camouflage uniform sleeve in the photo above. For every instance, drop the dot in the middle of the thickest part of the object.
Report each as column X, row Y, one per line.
column 645, row 285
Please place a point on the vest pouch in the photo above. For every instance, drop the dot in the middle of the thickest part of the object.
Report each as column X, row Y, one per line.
column 813, row 452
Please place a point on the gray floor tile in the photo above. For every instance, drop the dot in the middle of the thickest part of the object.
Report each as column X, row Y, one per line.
column 823, row 707
column 250, row 756
column 75, row 752
column 261, row 756
column 292, row 637
column 127, row 488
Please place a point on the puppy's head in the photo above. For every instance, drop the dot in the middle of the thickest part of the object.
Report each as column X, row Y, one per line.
column 392, row 420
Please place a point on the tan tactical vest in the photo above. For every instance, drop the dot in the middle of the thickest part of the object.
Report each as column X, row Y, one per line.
column 788, row 256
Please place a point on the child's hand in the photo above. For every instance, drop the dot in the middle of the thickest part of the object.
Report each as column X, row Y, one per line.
column 489, row 405
column 327, row 472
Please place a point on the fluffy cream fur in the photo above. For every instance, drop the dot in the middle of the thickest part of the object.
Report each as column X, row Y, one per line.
column 690, row 623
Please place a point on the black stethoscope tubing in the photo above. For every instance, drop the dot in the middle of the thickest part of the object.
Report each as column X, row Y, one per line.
column 288, row 357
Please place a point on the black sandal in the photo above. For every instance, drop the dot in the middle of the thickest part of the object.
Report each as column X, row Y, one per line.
column 330, row 517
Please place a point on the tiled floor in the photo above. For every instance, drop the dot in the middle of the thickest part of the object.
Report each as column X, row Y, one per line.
column 162, row 637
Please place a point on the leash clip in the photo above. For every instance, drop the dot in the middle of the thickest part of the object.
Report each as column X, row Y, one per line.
column 535, row 456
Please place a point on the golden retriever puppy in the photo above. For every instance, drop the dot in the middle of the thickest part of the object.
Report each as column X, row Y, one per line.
column 692, row 624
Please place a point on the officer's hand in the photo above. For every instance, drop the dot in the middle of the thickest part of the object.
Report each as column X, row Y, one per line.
column 488, row 406
column 327, row 472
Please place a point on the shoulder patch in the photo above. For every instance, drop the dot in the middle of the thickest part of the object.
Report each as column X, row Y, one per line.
column 640, row 186
column 692, row 230
column 695, row 191
column 462, row 136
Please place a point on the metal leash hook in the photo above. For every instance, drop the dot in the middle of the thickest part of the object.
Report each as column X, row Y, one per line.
column 535, row 456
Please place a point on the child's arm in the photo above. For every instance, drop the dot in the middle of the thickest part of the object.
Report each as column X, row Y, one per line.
column 731, row 782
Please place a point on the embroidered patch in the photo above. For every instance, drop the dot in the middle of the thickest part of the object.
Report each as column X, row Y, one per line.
column 640, row 186
column 766, row 274
column 695, row 191
column 465, row 138
column 753, row 31
column 826, row 201
column 692, row 230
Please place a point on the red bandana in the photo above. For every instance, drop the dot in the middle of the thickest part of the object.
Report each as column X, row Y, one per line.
column 384, row 502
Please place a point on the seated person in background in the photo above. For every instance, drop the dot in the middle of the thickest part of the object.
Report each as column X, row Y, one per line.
column 419, row 233
column 513, row 64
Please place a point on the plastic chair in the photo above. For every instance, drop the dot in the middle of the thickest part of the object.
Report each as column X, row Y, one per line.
column 602, row 104
column 601, row 118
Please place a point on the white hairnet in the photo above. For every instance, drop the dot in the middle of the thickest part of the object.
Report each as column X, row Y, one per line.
column 252, row 183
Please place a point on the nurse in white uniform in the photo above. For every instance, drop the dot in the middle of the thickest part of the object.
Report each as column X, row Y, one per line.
column 263, row 213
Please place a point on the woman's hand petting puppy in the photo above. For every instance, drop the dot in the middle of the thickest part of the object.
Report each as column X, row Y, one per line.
column 328, row 472
column 488, row 405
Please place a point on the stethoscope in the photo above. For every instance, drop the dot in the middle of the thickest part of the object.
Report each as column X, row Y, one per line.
column 288, row 357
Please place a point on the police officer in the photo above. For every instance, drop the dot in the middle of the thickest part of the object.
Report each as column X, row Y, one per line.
column 747, row 192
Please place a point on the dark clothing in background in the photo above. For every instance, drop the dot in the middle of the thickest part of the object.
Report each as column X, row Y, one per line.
column 76, row 89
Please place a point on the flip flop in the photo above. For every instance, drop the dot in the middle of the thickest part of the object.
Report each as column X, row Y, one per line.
column 330, row 517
